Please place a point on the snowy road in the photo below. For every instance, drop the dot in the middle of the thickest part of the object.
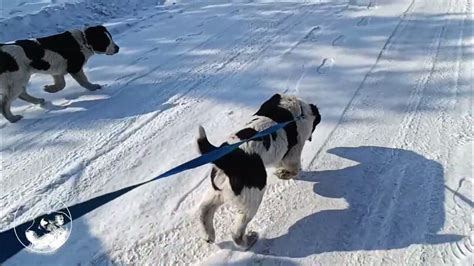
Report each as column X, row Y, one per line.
column 387, row 178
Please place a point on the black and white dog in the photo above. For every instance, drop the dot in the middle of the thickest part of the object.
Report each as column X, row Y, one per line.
column 56, row 55
column 240, row 177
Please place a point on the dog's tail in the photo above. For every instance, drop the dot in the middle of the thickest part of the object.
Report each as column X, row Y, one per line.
column 205, row 146
column 203, row 143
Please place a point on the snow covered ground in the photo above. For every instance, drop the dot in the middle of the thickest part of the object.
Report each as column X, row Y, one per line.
column 388, row 176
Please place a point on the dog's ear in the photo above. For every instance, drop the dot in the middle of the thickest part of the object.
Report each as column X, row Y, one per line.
column 317, row 117
column 276, row 96
column 96, row 37
column 315, row 111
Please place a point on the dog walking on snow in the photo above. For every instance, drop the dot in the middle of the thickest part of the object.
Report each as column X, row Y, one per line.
column 240, row 177
column 56, row 55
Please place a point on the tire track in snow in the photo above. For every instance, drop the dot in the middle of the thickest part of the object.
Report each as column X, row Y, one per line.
column 412, row 111
column 435, row 74
column 357, row 91
column 449, row 122
column 338, row 40
column 384, row 205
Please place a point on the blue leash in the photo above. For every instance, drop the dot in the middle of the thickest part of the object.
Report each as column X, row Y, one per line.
column 222, row 151
column 11, row 238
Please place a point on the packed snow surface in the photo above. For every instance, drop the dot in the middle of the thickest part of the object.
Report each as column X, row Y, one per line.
column 387, row 178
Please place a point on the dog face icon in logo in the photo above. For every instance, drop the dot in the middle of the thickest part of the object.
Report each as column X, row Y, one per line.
column 47, row 232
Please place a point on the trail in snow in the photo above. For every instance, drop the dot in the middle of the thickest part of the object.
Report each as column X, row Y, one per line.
column 382, row 182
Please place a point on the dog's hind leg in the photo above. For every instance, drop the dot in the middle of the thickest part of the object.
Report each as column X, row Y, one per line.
column 248, row 202
column 59, row 84
column 6, row 103
column 31, row 99
column 211, row 202
column 81, row 78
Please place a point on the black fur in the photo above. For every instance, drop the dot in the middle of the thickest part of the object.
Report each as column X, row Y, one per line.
column 35, row 53
column 274, row 136
column 247, row 133
column 65, row 45
column 243, row 170
column 317, row 119
column 97, row 38
column 248, row 170
column 272, row 109
column 205, row 146
column 7, row 63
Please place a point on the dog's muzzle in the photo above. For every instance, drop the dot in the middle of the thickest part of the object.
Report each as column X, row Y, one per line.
column 112, row 50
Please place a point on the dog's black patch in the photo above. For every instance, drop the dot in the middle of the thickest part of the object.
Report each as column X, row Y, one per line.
column 65, row 45
column 7, row 63
column 266, row 142
column 247, row 133
column 274, row 136
column 35, row 53
column 317, row 118
column 243, row 170
column 204, row 145
column 97, row 38
column 40, row 65
column 272, row 109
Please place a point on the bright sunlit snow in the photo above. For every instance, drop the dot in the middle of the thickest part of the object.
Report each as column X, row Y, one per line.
column 387, row 179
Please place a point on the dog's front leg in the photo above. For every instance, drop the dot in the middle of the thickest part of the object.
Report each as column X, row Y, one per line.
column 59, row 84
column 290, row 166
column 6, row 103
column 31, row 99
column 81, row 78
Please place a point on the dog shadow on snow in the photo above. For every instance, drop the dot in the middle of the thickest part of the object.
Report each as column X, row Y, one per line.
column 395, row 199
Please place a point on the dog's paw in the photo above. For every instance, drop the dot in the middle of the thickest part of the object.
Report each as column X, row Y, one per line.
column 209, row 241
column 252, row 238
column 209, row 238
column 41, row 102
column 52, row 88
column 284, row 174
column 14, row 118
column 248, row 240
column 94, row 87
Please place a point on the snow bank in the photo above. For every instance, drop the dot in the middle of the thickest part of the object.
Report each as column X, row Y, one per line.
column 19, row 20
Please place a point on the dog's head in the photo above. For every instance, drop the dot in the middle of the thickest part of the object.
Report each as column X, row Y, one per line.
column 311, row 112
column 100, row 39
